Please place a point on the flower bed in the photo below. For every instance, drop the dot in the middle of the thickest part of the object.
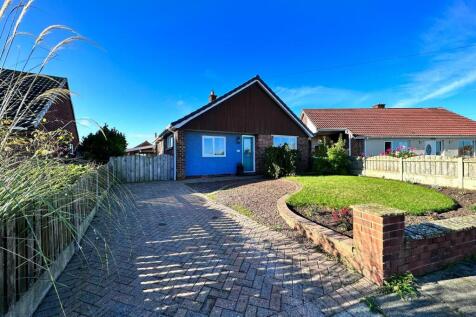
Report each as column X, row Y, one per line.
column 339, row 220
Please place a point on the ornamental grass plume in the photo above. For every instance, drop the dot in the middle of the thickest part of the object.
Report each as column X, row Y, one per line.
column 38, row 179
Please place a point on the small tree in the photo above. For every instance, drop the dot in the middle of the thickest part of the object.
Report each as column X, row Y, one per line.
column 338, row 158
column 103, row 144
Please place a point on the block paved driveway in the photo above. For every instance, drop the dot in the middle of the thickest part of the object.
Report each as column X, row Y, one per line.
column 178, row 254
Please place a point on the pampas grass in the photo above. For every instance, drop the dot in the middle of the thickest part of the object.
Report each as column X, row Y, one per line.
column 33, row 179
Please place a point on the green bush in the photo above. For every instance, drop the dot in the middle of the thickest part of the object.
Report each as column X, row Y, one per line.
column 321, row 166
column 331, row 159
column 320, row 150
column 103, row 144
column 339, row 158
column 280, row 161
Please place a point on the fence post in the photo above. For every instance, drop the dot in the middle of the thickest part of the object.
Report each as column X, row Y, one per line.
column 401, row 169
column 97, row 188
column 461, row 172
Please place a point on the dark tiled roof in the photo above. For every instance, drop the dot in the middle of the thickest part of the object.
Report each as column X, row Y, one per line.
column 27, row 86
column 394, row 122
column 145, row 143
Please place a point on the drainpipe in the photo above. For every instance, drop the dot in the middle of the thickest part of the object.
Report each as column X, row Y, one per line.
column 175, row 154
column 350, row 146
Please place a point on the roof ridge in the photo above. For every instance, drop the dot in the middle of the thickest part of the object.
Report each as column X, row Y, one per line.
column 377, row 109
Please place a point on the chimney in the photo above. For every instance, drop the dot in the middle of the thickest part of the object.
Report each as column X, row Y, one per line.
column 379, row 106
column 212, row 96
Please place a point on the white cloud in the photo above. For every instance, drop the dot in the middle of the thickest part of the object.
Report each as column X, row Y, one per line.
column 450, row 70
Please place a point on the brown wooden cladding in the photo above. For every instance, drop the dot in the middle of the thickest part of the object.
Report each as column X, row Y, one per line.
column 251, row 111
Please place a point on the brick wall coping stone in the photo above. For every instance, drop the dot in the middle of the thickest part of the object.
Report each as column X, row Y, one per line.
column 377, row 210
column 439, row 228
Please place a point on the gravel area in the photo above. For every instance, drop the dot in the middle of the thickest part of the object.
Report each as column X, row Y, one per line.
column 259, row 196
column 466, row 200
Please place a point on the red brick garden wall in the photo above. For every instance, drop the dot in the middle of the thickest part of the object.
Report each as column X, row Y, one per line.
column 383, row 247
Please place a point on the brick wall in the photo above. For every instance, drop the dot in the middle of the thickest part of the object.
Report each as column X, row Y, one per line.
column 61, row 116
column 378, row 240
column 179, row 137
column 262, row 142
column 384, row 247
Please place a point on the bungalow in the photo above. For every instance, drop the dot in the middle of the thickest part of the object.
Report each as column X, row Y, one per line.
column 231, row 129
column 145, row 148
column 36, row 112
column 371, row 131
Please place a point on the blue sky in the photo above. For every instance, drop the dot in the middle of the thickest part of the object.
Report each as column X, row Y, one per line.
column 150, row 62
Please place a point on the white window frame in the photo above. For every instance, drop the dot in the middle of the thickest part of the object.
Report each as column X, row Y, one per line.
column 473, row 142
column 167, row 145
column 285, row 136
column 213, row 137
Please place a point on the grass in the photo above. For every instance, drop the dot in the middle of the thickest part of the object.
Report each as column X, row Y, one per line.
column 336, row 192
column 242, row 210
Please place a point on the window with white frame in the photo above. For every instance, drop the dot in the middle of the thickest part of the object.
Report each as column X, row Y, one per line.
column 280, row 140
column 170, row 141
column 213, row 146
column 466, row 148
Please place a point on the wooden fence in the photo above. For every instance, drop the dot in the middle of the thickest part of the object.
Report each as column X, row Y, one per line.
column 23, row 278
column 139, row 168
column 430, row 170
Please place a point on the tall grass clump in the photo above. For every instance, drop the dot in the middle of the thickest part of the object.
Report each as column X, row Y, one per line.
column 40, row 183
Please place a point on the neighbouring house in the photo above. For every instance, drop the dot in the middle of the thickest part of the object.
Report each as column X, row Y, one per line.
column 234, row 128
column 145, row 148
column 376, row 130
column 37, row 113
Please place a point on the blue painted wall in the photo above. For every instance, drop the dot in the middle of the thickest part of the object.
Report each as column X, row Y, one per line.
column 196, row 165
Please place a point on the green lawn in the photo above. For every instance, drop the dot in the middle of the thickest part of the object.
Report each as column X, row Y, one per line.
column 343, row 191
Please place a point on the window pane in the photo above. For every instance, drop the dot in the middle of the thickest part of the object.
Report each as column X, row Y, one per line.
column 208, row 146
column 220, row 146
column 466, row 148
column 291, row 141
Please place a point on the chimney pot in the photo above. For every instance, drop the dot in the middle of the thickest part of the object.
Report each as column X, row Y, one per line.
column 212, row 96
column 379, row 106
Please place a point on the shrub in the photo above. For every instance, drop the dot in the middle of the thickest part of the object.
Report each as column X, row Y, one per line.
column 320, row 150
column 280, row 161
column 333, row 159
column 339, row 158
column 321, row 166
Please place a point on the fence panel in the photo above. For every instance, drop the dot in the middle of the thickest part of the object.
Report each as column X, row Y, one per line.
column 429, row 170
column 27, row 239
column 136, row 168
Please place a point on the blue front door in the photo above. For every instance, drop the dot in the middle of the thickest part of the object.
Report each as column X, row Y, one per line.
column 248, row 150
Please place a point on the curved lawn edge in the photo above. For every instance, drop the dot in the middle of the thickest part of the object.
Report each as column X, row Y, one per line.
column 329, row 240
column 335, row 192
